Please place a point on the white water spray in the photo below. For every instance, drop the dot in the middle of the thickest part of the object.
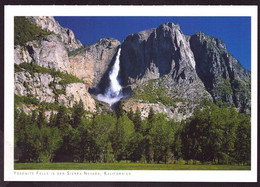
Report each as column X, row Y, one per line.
column 113, row 93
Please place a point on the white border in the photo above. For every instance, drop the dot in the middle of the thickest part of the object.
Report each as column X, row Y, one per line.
column 192, row 176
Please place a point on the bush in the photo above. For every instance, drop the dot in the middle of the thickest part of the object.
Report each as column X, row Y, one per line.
column 75, row 52
column 25, row 100
column 30, row 100
column 59, row 92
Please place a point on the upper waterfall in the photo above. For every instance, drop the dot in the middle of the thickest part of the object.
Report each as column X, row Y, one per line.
column 113, row 92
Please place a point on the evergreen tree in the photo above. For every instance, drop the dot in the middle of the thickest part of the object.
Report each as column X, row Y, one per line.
column 229, row 120
column 135, row 147
column 120, row 137
column 117, row 136
column 110, row 155
column 50, row 142
column 62, row 120
column 130, row 114
column 81, row 141
column 34, row 117
column 162, row 139
column 177, row 144
column 147, row 137
column 100, row 130
column 151, row 115
column 28, row 138
column 52, row 120
column 120, row 110
column 64, row 153
column 77, row 114
column 242, row 145
column 41, row 121
column 138, row 121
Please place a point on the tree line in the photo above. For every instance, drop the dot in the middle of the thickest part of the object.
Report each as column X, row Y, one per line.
column 216, row 135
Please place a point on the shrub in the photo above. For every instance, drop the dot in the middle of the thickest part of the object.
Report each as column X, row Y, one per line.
column 75, row 52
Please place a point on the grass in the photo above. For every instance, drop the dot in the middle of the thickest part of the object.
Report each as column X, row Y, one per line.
column 123, row 166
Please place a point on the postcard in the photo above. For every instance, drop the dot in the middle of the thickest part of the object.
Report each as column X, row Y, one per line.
column 131, row 93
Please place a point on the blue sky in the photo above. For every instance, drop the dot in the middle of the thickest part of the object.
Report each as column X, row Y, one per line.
column 234, row 31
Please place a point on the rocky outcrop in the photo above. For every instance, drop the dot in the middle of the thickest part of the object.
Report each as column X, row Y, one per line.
column 46, row 88
column 178, row 113
column 76, row 92
column 94, row 62
column 37, row 85
column 223, row 76
column 48, row 23
column 48, row 52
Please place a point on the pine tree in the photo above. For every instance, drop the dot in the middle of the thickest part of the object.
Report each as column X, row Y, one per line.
column 162, row 138
column 242, row 145
column 41, row 121
column 147, row 136
column 52, row 120
column 64, row 153
column 78, row 112
column 138, row 121
column 135, row 148
column 130, row 114
column 151, row 115
column 62, row 120
column 120, row 110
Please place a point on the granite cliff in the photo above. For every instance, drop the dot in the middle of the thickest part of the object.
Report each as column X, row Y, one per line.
column 189, row 69
column 160, row 68
column 57, row 68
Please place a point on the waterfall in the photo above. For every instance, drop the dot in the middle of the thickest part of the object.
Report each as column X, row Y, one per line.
column 113, row 92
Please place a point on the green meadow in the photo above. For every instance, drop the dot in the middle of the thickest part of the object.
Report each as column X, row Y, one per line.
column 123, row 166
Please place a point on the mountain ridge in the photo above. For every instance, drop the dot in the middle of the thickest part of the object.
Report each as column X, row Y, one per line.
column 189, row 69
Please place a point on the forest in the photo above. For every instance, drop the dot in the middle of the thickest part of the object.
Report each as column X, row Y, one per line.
column 215, row 134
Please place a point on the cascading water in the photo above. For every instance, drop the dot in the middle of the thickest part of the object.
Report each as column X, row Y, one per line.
column 113, row 92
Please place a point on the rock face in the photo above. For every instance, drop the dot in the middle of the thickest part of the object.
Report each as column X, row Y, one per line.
column 91, row 64
column 49, row 52
column 157, row 52
column 76, row 92
column 223, row 76
column 48, row 23
column 163, row 54
column 39, row 86
column 190, row 68
column 162, row 68
column 94, row 62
